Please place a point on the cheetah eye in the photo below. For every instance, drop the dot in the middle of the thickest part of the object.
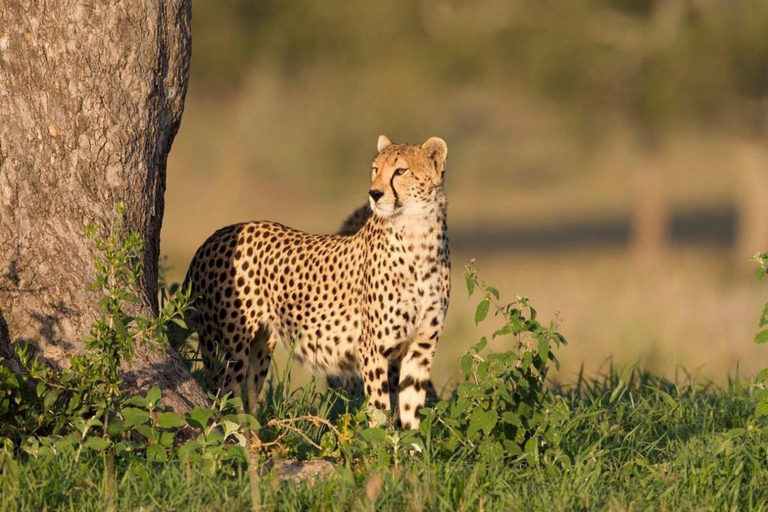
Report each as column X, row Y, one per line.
column 374, row 170
column 400, row 172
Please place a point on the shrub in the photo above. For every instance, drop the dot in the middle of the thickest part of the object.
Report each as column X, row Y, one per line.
column 761, row 394
column 44, row 411
column 504, row 407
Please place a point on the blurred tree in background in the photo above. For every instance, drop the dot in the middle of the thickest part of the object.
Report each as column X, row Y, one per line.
column 654, row 63
column 530, row 91
column 581, row 132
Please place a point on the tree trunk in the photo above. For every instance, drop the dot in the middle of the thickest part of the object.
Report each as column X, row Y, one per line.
column 91, row 96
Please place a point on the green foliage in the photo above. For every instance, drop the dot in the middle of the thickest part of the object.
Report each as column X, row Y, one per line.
column 761, row 393
column 504, row 408
column 44, row 411
column 691, row 63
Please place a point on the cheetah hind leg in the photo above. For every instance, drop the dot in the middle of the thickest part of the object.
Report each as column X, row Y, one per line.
column 259, row 360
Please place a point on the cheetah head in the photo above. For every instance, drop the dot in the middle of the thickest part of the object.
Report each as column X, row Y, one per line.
column 407, row 179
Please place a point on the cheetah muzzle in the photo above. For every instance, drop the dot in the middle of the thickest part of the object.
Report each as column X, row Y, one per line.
column 367, row 305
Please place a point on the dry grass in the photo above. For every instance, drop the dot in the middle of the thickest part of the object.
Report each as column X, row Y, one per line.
column 695, row 310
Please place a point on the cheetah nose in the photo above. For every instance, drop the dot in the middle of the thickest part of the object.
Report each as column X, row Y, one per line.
column 375, row 194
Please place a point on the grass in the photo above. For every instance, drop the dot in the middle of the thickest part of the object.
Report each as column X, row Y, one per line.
column 646, row 444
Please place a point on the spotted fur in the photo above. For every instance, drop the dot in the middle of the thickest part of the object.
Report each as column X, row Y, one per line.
column 365, row 304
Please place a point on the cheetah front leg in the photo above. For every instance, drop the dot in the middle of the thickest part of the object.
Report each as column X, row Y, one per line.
column 375, row 376
column 414, row 372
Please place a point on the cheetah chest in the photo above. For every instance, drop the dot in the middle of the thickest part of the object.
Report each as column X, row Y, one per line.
column 407, row 292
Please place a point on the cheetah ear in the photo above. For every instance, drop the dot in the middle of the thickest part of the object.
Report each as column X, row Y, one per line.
column 383, row 143
column 437, row 150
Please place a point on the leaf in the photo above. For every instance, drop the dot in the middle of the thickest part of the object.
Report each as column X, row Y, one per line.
column 527, row 360
column 764, row 316
column 761, row 409
column 137, row 400
column 198, row 417
column 466, row 364
column 166, row 438
column 180, row 322
column 761, row 395
column 216, row 437
column 156, row 452
column 491, row 418
column 482, row 310
column 133, row 416
column 543, row 348
column 170, row 420
column 482, row 369
column 229, row 427
column 95, row 443
column 153, row 395
column 512, row 419
column 374, row 435
column 470, row 283
column 482, row 420
column 501, row 332
column 760, row 273
column 74, row 402
column 50, row 398
column 511, row 447
column 761, row 337
column 245, row 421
column 493, row 291
column 148, row 432
column 115, row 426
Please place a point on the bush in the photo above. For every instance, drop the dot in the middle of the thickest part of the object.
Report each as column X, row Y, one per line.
column 504, row 407
column 761, row 394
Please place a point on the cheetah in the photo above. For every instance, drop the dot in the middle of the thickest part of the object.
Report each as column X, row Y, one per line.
column 355, row 305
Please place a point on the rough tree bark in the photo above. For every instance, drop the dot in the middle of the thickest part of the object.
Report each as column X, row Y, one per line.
column 91, row 96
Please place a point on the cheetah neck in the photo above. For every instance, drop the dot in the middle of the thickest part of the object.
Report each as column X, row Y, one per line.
column 425, row 232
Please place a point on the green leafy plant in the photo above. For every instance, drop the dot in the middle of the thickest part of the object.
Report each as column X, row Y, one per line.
column 761, row 394
column 43, row 400
column 46, row 411
column 504, row 407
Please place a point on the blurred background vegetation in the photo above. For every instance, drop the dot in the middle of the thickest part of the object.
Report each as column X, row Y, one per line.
column 607, row 158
